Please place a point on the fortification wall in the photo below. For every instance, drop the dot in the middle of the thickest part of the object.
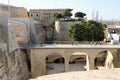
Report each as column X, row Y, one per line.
column 13, row 63
column 44, row 33
column 13, row 66
column 62, row 30
column 13, row 12
column 20, row 31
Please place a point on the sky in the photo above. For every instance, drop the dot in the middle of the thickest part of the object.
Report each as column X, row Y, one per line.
column 108, row 9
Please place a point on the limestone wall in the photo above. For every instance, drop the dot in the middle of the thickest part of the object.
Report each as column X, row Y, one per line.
column 25, row 30
column 20, row 31
column 45, row 16
column 43, row 34
column 62, row 30
column 13, row 11
column 40, row 32
column 13, row 66
column 1, row 33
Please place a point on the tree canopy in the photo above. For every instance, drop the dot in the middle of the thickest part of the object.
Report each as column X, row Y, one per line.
column 80, row 14
column 87, row 31
column 67, row 13
column 58, row 16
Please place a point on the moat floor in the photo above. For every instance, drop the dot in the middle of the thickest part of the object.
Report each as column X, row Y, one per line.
column 54, row 68
column 109, row 74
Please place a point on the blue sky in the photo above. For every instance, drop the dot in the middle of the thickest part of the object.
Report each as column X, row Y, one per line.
column 108, row 9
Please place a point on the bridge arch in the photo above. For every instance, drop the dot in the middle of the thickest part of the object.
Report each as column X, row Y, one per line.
column 99, row 61
column 53, row 56
column 103, row 57
column 80, row 59
column 113, row 51
column 54, row 53
column 54, row 63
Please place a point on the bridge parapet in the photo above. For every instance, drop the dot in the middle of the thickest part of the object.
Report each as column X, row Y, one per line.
column 105, row 46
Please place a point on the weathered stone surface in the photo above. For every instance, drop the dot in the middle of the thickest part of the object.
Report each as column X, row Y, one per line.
column 45, row 16
column 44, row 33
column 62, row 30
column 13, row 12
column 112, row 74
column 20, row 31
column 13, row 66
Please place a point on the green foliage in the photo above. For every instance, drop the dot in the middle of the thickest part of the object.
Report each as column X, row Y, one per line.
column 58, row 16
column 67, row 13
column 87, row 31
column 80, row 14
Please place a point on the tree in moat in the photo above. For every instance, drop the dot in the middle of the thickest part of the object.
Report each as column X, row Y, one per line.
column 87, row 31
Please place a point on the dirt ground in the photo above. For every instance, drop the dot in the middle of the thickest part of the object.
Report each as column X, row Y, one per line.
column 59, row 68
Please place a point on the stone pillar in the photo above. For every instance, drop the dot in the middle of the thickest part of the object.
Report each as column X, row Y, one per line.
column 66, row 64
column 118, row 60
column 35, row 64
column 43, row 68
column 92, row 65
column 87, row 63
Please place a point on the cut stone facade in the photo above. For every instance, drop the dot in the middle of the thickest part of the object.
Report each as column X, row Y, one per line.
column 20, row 31
column 45, row 16
column 12, row 11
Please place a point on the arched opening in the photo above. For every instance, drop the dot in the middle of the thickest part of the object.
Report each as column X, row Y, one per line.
column 31, row 15
column 54, row 64
column 36, row 15
column 105, row 60
column 100, row 60
column 79, row 62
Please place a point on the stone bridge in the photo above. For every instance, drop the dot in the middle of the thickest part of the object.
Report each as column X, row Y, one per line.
column 39, row 53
